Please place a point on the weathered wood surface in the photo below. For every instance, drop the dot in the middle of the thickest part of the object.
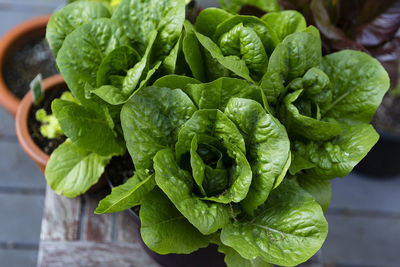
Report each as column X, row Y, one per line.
column 61, row 217
column 87, row 254
column 72, row 235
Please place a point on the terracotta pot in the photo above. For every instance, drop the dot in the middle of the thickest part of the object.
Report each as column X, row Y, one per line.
column 21, row 122
column 26, row 32
column 208, row 256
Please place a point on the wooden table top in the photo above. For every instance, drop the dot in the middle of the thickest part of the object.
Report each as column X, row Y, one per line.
column 72, row 235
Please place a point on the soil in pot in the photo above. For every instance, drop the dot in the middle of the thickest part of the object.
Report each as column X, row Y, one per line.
column 118, row 172
column 21, row 68
column 45, row 144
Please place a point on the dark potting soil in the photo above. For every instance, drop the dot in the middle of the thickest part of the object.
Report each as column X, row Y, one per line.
column 26, row 64
column 119, row 170
column 387, row 117
column 47, row 145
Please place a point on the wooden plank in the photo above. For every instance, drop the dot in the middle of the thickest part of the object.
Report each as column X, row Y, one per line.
column 60, row 217
column 127, row 230
column 86, row 254
column 96, row 227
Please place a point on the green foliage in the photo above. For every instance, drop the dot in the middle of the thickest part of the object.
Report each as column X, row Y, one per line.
column 235, row 124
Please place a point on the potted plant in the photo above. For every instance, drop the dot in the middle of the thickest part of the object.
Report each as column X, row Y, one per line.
column 24, row 53
column 28, row 128
column 234, row 125
column 369, row 26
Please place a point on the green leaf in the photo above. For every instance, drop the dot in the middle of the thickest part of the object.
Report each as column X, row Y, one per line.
column 139, row 18
column 319, row 189
column 240, row 178
column 338, row 157
column 173, row 81
column 87, row 128
column 233, row 63
column 288, row 229
column 308, row 127
column 177, row 184
column 165, row 230
column 193, row 53
column 244, row 43
column 118, row 61
column 267, row 36
column 71, row 17
column 299, row 163
column 233, row 258
column 169, row 63
column 216, row 94
column 127, row 195
column 359, row 83
column 209, row 19
column 151, row 121
column 72, row 170
column 291, row 59
column 235, row 5
column 212, row 127
column 83, row 52
column 285, row 22
column 134, row 79
column 267, row 146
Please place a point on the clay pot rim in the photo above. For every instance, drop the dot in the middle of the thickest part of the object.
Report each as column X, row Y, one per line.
column 21, row 123
column 7, row 99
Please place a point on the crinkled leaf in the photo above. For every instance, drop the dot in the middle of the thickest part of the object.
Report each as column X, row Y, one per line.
column 285, row 22
column 177, row 184
column 267, row 146
column 135, row 77
column 127, row 195
column 244, row 43
column 88, row 128
column 291, row 59
column 74, row 15
column 338, row 157
column 216, row 94
column 116, row 62
column 151, row 121
column 83, row 51
column 165, row 230
column 359, row 83
column 306, row 126
column 233, row 63
column 287, row 230
column 266, row 34
column 212, row 127
column 139, row 18
column 72, row 170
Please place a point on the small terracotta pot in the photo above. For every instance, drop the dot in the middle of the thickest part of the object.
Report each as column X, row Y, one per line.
column 21, row 122
column 26, row 32
column 24, row 137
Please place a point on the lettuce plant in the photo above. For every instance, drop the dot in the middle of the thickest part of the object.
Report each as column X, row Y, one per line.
column 244, row 161
column 104, row 58
column 369, row 26
column 234, row 147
